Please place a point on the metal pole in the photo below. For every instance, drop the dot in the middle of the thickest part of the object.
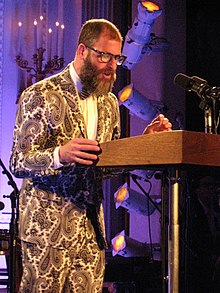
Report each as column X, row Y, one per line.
column 173, row 233
column 208, row 119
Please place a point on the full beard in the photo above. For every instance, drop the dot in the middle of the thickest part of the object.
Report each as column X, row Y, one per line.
column 91, row 81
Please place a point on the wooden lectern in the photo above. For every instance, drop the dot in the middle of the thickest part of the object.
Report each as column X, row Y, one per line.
column 170, row 151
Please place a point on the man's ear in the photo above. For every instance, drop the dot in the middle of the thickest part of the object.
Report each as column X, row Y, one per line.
column 81, row 51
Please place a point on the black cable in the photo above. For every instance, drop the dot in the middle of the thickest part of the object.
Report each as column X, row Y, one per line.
column 134, row 177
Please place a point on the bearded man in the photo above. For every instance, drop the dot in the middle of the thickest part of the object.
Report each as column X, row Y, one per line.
column 59, row 124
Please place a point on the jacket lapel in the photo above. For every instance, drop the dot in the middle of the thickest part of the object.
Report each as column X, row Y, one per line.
column 70, row 93
column 100, row 122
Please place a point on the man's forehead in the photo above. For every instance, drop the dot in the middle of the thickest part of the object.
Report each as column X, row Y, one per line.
column 108, row 34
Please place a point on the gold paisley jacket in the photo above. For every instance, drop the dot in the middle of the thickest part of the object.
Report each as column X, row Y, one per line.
column 49, row 115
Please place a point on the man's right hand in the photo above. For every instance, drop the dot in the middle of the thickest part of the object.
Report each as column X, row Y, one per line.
column 79, row 150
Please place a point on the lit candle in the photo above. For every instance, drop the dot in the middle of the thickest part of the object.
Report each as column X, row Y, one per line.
column 35, row 35
column 56, row 49
column 61, row 41
column 19, row 38
column 49, row 44
column 40, row 32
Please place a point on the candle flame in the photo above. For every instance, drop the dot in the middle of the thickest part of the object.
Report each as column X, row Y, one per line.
column 19, row 23
column 62, row 26
column 57, row 23
column 41, row 17
column 35, row 22
column 50, row 30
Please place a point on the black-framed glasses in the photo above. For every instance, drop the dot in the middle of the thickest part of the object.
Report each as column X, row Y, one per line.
column 107, row 57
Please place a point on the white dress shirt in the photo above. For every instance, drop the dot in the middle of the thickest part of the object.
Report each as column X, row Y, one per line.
column 89, row 110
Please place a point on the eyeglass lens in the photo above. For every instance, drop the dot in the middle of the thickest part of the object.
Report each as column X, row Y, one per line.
column 105, row 57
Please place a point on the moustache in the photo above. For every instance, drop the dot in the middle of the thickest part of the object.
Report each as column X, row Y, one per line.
column 106, row 71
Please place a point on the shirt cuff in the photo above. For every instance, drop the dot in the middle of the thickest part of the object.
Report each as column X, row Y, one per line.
column 56, row 158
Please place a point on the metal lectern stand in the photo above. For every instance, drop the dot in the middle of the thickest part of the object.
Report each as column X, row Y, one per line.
column 173, row 232
column 172, row 151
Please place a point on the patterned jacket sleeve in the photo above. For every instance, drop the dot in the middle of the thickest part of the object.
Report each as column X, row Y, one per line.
column 32, row 151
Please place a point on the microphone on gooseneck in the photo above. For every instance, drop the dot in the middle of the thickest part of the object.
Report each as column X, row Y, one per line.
column 189, row 83
column 209, row 96
column 198, row 85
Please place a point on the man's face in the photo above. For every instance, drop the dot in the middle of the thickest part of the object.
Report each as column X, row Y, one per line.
column 98, row 77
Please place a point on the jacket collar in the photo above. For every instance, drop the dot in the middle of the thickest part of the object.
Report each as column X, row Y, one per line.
column 72, row 97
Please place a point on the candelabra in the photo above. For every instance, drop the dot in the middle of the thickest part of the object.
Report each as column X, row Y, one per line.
column 40, row 69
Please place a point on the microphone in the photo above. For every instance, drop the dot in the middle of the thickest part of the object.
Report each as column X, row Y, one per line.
column 198, row 85
column 2, row 205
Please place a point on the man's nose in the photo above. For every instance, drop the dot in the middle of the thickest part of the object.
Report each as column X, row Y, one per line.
column 112, row 63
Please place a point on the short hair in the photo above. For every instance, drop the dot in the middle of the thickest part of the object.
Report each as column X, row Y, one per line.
column 93, row 28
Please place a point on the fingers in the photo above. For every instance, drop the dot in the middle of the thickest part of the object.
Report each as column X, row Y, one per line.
column 83, row 144
column 160, row 117
column 79, row 150
column 166, row 124
column 158, row 124
column 84, row 141
column 83, row 157
column 84, row 161
column 161, row 120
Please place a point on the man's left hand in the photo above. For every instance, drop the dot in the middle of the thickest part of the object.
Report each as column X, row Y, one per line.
column 160, row 123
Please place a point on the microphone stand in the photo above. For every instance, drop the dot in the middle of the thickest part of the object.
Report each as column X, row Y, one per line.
column 204, row 105
column 13, row 229
column 208, row 119
column 210, row 104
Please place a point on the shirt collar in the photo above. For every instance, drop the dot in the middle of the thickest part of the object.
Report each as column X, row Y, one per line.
column 75, row 77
